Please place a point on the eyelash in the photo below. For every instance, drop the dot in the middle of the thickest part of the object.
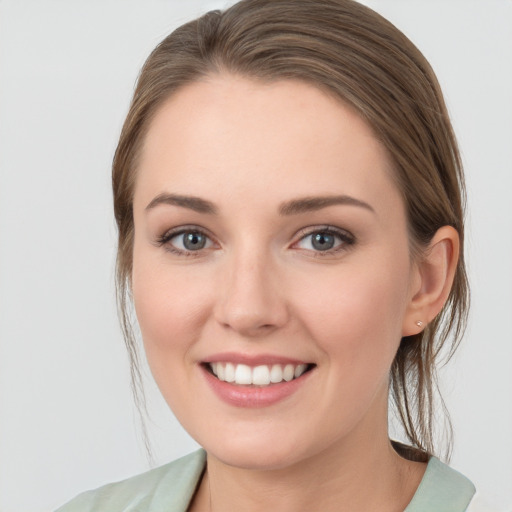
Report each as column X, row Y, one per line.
column 164, row 240
column 346, row 239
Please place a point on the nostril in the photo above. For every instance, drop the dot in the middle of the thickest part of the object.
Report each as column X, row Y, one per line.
column 249, row 324
column 247, row 299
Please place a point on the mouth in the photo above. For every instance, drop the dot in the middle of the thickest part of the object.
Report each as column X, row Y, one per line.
column 257, row 376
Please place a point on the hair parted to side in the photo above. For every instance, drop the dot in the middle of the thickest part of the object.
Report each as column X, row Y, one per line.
column 359, row 57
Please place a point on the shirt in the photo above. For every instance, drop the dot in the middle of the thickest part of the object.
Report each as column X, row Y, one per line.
column 170, row 488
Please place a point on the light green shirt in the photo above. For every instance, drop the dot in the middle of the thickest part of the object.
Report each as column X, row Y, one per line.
column 170, row 488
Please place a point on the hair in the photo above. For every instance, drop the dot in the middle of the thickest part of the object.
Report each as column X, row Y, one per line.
column 363, row 60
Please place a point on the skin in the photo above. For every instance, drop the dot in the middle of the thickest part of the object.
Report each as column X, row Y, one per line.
column 259, row 286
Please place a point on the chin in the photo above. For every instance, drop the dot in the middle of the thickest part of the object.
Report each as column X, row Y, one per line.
column 261, row 450
column 255, row 458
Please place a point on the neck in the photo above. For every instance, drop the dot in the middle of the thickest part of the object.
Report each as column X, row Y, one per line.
column 357, row 472
column 343, row 478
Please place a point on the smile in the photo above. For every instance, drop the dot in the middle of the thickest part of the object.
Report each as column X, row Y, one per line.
column 255, row 381
column 261, row 375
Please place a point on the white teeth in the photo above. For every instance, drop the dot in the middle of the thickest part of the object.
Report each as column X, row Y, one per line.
column 299, row 370
column 262, row 375
column 276, row 373
column 288, row 372
column 229, row 372
column 243, row 374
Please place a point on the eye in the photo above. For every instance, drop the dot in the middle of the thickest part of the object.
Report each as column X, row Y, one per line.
column 185, row 241
column 325, row 240
column 190, row 241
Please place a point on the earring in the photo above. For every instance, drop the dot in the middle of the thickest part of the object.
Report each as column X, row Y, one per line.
column 419, row 323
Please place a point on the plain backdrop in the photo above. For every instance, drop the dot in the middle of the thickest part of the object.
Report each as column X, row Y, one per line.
column 67, row 69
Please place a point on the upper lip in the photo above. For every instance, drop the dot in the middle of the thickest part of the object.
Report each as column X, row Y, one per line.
column 253, row 359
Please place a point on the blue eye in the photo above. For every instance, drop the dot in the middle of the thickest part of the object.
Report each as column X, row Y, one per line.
column 325, row 240
column 186, row 241
column 192, row 241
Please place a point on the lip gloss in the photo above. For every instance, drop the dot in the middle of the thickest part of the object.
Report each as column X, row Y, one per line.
column 253, row 396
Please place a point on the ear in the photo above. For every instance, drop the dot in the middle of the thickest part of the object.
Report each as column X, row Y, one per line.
column 432, row 280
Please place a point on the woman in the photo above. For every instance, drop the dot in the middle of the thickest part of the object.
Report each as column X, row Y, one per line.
column 289, row 199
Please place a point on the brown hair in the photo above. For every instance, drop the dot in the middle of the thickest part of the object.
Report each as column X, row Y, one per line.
column 362, row 59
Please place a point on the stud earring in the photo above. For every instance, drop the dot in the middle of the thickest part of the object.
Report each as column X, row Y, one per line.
column 419, row 323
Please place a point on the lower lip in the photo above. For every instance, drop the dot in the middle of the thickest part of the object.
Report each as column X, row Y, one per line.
column 252, row 396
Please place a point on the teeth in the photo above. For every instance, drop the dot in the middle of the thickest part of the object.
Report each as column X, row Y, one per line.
column 229, row 372
column 276, row 373
column 221, row 371
column 262, row 375
column 299, row 370
column 288, row 372
column 243, row 374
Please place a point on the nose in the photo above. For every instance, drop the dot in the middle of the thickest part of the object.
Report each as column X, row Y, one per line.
column 250, row 299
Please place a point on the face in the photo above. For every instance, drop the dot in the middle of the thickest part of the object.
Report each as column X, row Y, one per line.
column 271, row 274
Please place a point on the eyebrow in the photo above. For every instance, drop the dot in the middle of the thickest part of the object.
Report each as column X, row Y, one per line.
column 309, row 204
column 193, row 203
column 293, row 207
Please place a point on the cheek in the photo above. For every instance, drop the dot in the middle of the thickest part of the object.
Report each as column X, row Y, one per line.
column 356, row 317
column 169, row 307
column 170, row 312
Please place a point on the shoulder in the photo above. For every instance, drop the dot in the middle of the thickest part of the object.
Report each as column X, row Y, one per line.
column 442, row 489
column 173, row 483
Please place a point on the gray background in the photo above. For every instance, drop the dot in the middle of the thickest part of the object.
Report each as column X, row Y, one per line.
column 67, row 70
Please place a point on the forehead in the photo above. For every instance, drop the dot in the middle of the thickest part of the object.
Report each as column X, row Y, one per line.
column 227, row 135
